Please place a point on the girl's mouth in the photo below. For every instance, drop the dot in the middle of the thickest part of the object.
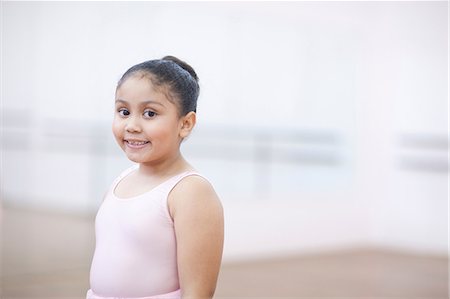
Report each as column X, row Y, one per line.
column 136, row 144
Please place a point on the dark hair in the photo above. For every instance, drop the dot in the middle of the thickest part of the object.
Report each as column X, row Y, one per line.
column 171, row 72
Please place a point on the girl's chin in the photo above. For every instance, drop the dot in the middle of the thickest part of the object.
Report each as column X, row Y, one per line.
column 137, row 158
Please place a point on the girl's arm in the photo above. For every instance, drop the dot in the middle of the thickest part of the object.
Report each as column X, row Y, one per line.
column 198, row 220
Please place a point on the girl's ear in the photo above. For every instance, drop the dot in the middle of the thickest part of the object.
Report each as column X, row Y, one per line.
column 187, row 124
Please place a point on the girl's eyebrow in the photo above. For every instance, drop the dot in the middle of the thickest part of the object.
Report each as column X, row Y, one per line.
column 141, row 103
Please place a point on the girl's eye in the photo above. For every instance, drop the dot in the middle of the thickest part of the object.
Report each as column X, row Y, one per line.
column 150, row 113
column 123, row 112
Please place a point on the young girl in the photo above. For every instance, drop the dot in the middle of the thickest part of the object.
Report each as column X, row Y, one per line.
column 159, row 230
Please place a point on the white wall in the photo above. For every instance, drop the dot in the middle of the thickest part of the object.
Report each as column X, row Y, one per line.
column 322, row 124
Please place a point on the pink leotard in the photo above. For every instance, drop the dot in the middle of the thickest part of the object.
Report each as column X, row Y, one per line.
column 135, row 253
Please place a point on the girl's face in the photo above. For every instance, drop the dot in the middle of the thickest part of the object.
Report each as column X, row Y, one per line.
column 146, row 124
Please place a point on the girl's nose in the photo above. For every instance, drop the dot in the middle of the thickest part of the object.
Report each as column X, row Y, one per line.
column 133, row 125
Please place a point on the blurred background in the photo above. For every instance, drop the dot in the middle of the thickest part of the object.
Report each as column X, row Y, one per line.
column 322, row 125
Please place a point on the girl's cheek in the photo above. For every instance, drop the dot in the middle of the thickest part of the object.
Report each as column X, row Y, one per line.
column 116, row 128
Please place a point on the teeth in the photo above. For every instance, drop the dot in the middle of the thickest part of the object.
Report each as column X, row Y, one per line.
column 137, row 142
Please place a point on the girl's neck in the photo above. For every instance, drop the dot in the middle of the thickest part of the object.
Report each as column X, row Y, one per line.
column 167, row 167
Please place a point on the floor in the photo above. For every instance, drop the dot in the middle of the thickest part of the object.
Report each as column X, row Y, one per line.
column 47, row 255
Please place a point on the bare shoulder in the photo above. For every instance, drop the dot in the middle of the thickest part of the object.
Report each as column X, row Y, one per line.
column 194, row 194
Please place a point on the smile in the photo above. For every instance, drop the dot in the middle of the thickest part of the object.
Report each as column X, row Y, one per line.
column 136, row 144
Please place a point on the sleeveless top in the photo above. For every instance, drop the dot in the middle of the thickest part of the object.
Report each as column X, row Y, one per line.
column 135, row 251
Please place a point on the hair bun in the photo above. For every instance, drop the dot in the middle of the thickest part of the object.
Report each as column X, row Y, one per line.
column 183, row 65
